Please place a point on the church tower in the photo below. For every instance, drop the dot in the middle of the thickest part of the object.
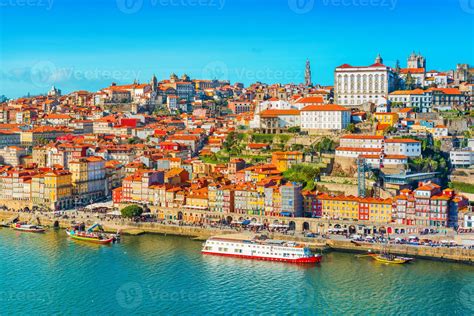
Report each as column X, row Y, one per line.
column 154, row 83
column 416, row 61
column 378, row 59
column 307, row 74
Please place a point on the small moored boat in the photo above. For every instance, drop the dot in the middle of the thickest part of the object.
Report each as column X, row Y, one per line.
column 90, row 235
column 28, row 228
column 390, row 259
column 97, row 238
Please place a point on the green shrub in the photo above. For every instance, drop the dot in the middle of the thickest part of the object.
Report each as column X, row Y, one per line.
column 131, row 211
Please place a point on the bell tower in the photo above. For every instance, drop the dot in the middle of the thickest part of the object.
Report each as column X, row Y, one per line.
column 307, row 74
column 378, row 59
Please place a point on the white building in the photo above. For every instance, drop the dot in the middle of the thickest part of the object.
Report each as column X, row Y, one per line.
column 356, row 85
column 396, row 151
column 403, row 146
column 361, row 141
column 418, row 99
column 440, row 131
column 274, row 121
column 172, row 103
column 270, row 104
column 329, row 116
column 416, row 68
column 311, row 100
column 354, row 152
column 433, row 77
column 470, row 143
column 387, row 160
column 12, row 155
column 462, row 157
column 417, row 76
column 468, row 220
column 445, row 99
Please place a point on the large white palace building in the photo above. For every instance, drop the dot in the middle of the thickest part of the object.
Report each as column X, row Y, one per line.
column 356, row 85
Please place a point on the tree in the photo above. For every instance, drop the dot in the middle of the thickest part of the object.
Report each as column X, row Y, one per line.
column 297, row 147
column 233, row 143
column 302, row 173
column 409, row 82
column 131, row 211
column 294, row 129
column 229, row 141
column 325, row 145
column 351, row 128
column 134, row 140
column 391, row 130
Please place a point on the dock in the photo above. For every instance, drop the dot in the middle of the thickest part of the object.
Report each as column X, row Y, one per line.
column 453, row 254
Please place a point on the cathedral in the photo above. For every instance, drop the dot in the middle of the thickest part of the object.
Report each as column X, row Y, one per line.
column 416, row 61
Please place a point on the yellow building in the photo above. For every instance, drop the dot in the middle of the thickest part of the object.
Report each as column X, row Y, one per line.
column 380, row 210
column 37, row 190
column 198, row 199
column 58, row 189
column 79, row 176
column 276, row 201
column 283, row 160
column 340, row 207
column 381, row 129
column 175, row 163
column 355, row 208
column 386, row 118
column 40, row 156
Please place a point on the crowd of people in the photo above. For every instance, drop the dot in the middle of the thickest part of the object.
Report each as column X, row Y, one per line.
column 105, row 216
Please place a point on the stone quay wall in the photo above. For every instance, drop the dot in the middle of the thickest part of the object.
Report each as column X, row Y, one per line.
column 201, row 233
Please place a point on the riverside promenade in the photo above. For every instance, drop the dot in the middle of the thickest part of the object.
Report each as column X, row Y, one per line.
column 335, row 243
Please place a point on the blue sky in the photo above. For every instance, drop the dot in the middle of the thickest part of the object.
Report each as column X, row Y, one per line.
column 87, row 44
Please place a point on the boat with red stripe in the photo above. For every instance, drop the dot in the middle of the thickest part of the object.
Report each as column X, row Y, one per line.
column 28, row 228
column 260, row 248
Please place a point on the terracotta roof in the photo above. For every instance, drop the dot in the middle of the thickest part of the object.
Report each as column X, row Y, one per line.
column 452, row 91
column 314, row 99
column 352, row 136
column 402, row 140
column 408, row 92
column 325, row 108
column 275, row 113
column 359, row 149
column 412, row 70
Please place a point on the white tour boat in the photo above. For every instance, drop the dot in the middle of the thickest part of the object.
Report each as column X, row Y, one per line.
column 271, row 250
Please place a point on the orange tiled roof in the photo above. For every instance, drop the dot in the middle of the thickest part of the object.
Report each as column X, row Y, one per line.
column 359, row 149
column 275, row 113
column 352, row 136
column 402, row 140
column 412, row 70
column 314, row 99
column 326, row 107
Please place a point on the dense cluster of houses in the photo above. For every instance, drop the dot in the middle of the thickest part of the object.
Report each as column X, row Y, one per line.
column 156, row 144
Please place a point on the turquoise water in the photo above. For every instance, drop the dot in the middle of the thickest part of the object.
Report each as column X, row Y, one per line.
column 50, row 274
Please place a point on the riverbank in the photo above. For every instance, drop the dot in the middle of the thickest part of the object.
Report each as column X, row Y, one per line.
column 154, row 274
column 454, row 254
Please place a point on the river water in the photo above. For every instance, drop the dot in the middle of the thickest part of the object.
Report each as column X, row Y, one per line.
column 151, row 274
